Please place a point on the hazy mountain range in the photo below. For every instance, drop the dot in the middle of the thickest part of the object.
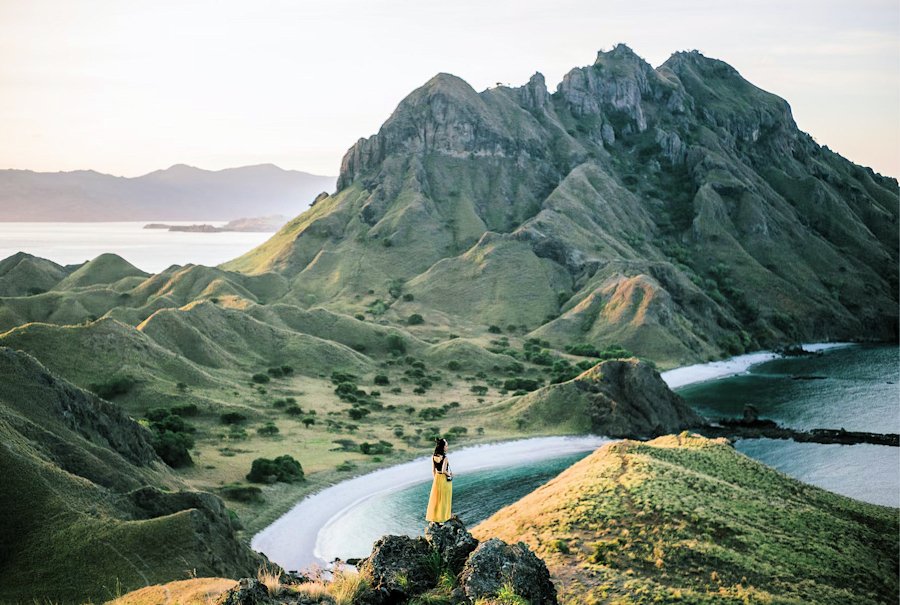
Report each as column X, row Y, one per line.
column 179, row 193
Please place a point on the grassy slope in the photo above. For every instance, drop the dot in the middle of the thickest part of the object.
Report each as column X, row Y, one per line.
column 70, row 529
column 687, row 519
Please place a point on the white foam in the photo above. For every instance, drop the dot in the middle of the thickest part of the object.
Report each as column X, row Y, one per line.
column 295, row 540
column 702, row 372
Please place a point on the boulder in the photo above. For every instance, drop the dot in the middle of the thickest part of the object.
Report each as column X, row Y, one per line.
column 452, row 541
column 495, row 564
column 398, row 568
column 249, row 591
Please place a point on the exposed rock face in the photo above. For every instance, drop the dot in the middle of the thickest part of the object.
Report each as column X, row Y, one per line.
column 618, row 398
column 452, row 541
column 398, row 567
column 686, row 180
column 496, row 563
column 249, row 591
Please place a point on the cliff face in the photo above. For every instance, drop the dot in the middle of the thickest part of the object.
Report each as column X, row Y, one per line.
column 677, row 210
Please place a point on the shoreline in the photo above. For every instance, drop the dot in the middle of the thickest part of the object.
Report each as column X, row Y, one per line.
column 739, row 364
column 293, row 540
column 276, row 540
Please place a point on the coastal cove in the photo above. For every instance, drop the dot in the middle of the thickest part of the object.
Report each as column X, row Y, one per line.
column 343, row 520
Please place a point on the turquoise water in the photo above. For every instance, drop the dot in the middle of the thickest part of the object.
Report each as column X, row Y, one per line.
column 476, row 496
column 858, row 389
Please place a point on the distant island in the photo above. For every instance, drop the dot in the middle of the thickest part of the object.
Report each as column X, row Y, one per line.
column 260, row 224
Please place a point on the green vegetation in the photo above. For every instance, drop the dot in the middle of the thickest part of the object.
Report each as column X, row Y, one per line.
column 688, row 519
column 283, row 468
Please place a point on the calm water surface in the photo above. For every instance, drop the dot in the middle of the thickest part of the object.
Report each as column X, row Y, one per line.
column 857, row 388
column 149, row 249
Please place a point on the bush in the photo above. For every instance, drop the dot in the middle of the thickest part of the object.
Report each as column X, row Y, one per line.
column 382, row 379
column 268, row 429
column 181, row 386
column 173, row 448
column 283, row 468
column 478, row 389
column 261, row 378
column 275, row 372
column 360, row 317
column 293, row 410
column 453, row 365
column 287, row 370
column 241, row 493
column 521, row 384
column 408, row 297
column 232, row 418
column 415, row 319
column 113, row 387
column 395, row 343
column 346, row 465
column 185, row 409
column 375, row 449
column 432, row 413
column 309, row 420
column 358, row 413
column 494, row 329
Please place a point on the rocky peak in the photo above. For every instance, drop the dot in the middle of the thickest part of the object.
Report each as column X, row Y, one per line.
column 534, row 94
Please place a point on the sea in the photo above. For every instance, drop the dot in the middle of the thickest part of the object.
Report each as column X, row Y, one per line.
column 150, row 250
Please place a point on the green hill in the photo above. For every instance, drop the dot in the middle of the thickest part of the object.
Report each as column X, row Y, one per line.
column 678, row 211
column 89, row 511
column 690, row 520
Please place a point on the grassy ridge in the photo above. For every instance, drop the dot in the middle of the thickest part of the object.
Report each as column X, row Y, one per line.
column 688, row 519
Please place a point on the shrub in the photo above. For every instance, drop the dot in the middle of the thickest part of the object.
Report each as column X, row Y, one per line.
column 358, row 413
column 360, row 317
column 521, row 384
column 293, row 410
column 382, row 379
column 494, row 329
column 478, row 389
column 241, row 493
column 454, row 365
column 268, row 429
column 181, row 386
column 309, row 420
column 346, row 465
column 287, row 370
column 185, row 409
column 173, row 448
column 432, row 413
column 283, row 468
column 415, row 319
column 275, row 372
column 232, row 418
column 408, row 297
column 113, row 387
column 261, row 378
column 375, row 449
column 395, row 343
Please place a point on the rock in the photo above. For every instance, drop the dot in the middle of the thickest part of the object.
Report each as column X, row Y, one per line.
column 495, row 563
column 398, row 568
column 249, row 591
column 452, row 541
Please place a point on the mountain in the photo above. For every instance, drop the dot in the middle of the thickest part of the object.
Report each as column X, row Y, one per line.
column 179, row 193
column 677, row 211
column 688, row 519
column 89, row 509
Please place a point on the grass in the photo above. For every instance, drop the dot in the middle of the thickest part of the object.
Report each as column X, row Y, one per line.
column 684, row 518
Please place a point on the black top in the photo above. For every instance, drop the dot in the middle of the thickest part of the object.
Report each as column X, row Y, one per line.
column 438, row 462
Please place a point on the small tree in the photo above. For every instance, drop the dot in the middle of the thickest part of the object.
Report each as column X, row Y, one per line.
column 309, row 420
column 382, row 379
column 415, row 319
column 283, row 468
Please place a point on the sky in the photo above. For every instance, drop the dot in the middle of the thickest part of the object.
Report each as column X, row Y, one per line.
column 130, row 86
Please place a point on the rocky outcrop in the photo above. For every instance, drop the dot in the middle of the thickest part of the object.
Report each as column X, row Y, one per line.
column 496, row 564
column 452, row 542
column 398, row 568
column 617, row 398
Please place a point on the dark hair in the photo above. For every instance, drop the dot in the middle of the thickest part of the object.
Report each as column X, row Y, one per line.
column 440, row 447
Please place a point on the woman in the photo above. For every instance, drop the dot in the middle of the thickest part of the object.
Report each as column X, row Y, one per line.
column 441, row 488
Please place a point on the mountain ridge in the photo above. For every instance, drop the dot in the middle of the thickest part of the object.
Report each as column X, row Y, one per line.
column 180, row 192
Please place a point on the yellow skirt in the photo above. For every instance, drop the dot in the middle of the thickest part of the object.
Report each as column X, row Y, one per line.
column 440, row 499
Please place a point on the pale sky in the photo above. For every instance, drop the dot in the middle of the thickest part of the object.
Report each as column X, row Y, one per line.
column 130, row 86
